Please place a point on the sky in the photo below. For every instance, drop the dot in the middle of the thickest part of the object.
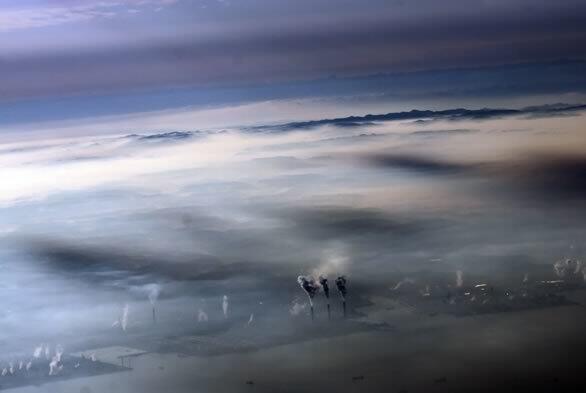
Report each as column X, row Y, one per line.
column 63, row 60
column 214, row 148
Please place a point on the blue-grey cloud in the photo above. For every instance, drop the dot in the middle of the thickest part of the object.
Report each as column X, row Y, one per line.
column 345, row 41
column 463, row 84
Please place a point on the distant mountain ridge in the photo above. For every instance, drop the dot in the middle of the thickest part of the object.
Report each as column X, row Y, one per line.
column 558, row 109
column 171, row 135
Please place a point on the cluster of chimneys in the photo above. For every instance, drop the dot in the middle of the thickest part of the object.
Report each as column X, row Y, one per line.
column 311, row 287
column 40, row 352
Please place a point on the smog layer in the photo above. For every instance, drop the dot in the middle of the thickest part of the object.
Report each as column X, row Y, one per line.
column 426, row 250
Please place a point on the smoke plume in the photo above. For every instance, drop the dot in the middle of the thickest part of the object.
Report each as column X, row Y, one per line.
column 341, row 285
column 308, row 284
column 323, row 281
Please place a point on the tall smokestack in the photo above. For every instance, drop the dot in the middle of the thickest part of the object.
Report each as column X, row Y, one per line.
column 341, row 285
column 310, row 287
column 324, row 284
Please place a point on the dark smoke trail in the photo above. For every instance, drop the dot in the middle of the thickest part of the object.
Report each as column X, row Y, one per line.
column 324, row 284
column 310, row 287
column 341, row 285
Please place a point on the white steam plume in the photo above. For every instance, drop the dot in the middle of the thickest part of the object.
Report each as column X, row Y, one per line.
column 225, row 306
column 58, row 352
column 297, row 308
column 559, row 268
column 459, row 278
column 567, row 267
column 154, row 292
column 38, row 351
column 334, row 259
column 404, row 281
column 202, row 316
column 124, row 317
column 53, row 366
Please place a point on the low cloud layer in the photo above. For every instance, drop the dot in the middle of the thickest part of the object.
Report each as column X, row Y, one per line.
column 90, row 225
column 541, row 176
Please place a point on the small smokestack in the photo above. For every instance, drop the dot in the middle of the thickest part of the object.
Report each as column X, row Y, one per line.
column 341, row 285
column 323, row 281
column 310, row 287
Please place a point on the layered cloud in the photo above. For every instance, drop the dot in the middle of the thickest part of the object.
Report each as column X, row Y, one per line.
column 252, row 42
